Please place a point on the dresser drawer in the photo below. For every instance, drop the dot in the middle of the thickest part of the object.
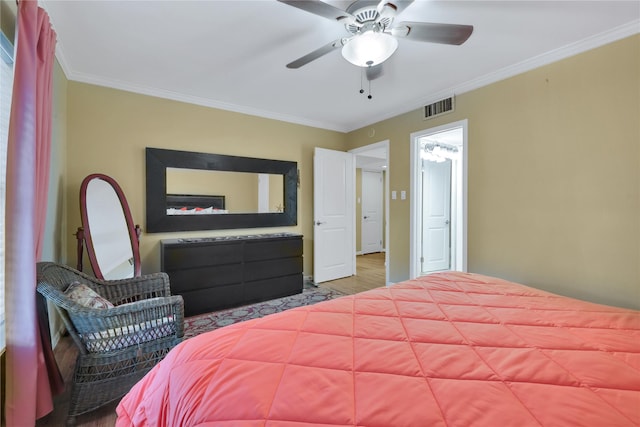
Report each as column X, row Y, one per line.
column 223, row 272
column 184, row 256
column 212, row 299
column 272, row 249
column 258, row 270
column 262, row 290
column 205, row 277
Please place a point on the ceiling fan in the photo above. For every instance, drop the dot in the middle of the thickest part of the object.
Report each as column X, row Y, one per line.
column 373, row 37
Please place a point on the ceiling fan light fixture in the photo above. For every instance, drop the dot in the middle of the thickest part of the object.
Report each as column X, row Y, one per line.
column 369, row 48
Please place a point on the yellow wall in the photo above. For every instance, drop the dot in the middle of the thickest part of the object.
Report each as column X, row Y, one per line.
column 554, row 168
column 108, row 130
column 8, row 13
column 554, row 176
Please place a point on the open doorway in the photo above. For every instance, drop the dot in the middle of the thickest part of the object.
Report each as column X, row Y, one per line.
column 372, row 210
column 438, row 199
column 336, row 214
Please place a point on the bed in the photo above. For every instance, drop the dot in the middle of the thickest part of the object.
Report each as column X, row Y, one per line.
column 448, row 349
column 190, row 204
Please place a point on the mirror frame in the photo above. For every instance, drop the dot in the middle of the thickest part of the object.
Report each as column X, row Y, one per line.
column 157, row 162
column 86, row 232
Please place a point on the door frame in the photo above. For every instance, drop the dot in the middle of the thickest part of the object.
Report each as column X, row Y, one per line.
column 459, row 255
column 361, row 150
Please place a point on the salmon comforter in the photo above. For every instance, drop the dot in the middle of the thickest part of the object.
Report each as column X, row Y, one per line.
column 449, row 349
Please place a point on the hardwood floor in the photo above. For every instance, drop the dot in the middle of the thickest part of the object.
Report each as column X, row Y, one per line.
column 66, row 353
column 370, row 274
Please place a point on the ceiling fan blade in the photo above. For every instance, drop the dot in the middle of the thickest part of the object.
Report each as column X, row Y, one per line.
column 396, row 5
column 434, row 33
column 374, row 72
column 317, row 53
column 322, row 9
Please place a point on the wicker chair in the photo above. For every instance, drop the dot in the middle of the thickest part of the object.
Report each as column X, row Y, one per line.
column 119, row 345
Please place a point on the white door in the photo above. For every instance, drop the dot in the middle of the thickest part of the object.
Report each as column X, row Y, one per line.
column 334, row 215
column 436, row 219
column 371, row 212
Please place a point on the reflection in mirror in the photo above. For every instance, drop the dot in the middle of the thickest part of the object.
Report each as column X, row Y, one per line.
column 241, row 192
column 107, row 229
column 188, row 191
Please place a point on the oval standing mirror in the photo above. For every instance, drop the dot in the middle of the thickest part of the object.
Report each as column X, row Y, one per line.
column 108, row 230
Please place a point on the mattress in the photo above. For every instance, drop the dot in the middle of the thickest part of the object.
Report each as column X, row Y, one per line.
column 448, row 349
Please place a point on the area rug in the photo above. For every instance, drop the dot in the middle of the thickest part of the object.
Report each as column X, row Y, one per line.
column 209, row 321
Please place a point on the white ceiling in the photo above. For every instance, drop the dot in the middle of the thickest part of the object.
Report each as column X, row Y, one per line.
column 232, row 54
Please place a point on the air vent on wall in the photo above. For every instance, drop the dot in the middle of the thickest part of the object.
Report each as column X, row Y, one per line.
column 438, row 108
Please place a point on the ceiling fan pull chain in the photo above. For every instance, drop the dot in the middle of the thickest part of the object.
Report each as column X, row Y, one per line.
column 369, row 90
column 361, row 77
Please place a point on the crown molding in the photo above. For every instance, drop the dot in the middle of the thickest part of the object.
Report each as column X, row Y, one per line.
column 564, row 52
column 196, row 100
column 546, row 58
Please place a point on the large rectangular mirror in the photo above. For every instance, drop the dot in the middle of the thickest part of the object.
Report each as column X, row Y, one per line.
column 201, row 191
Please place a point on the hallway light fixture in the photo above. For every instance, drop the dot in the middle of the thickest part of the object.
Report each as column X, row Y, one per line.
column 437, row 152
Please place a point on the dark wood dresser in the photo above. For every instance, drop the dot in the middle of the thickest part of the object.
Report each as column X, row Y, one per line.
column 222, row 272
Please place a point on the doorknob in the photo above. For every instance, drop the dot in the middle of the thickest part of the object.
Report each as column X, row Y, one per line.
column 365, row 217
column 446, row 222
column 319, row 222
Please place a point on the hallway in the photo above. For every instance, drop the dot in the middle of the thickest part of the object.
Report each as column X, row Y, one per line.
column 370, row 274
